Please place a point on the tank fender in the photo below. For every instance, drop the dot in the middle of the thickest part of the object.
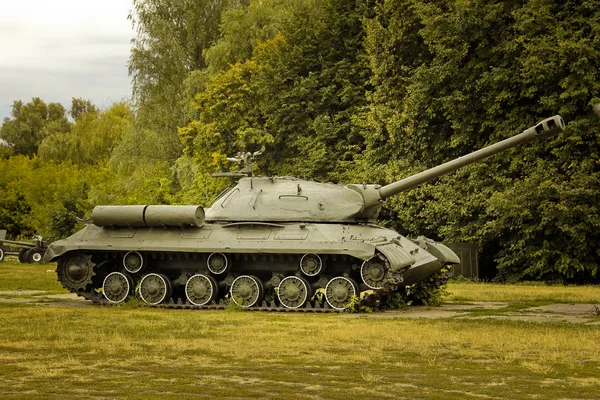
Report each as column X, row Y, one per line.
column 53, row 252
column 438, row 250
column 443, row 253
column 396, row 255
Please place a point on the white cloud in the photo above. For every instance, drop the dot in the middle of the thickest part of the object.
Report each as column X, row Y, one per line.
column 61, row 49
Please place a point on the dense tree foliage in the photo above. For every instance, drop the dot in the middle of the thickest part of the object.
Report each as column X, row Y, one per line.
column 171, row 39
column 296, row 93
column 93, row 137
column 42, row 198
column 343, row 91
column 31, row 123
column 451, row 76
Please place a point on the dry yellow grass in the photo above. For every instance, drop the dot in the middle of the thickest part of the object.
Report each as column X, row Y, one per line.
column 64, row 351
column 58, row 352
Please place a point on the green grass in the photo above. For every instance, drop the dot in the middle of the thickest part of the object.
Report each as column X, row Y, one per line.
column 108, row 352
column 522, row 293
column 60, row 351
column 17, row 276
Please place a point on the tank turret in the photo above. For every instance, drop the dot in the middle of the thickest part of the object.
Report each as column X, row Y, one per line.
column 282, row 238
column 291, row 199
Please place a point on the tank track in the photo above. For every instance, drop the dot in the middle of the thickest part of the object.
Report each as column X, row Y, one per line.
column 318, row 304
column 310, row 306
column 313, row 306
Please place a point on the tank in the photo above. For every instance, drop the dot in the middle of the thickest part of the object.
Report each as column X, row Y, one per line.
column 276, row 243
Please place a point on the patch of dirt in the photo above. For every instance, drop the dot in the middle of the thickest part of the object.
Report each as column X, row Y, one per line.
column 474, row 306
column 67, row 304
column 65, row 296
column 18, row 300
column 448, row 310
column 560, row 312
column 417, row 312
column 535, row 317
column 568, row 309
column 553, row 313
column 21, row 292
column 38, row 297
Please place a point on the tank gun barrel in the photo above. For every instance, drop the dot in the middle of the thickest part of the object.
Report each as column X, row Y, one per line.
column 548, row 127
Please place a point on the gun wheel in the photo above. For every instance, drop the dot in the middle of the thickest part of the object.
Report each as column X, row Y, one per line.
column 293, row 292
column 117, row 287
column 22, row 253
column 339, row 292
column 75, row 271
column 247, row 291
column 201, row 289
column 35, row 255
column 155, row 288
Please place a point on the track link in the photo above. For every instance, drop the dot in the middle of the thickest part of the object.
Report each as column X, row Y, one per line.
column 310, row 307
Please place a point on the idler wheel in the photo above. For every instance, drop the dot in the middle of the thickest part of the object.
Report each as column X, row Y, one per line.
column 339, row 292
column 155, row 288
column 133, row 262
column 373, row 272
column 75, row 271
column 201, row 289
column 217, row 263
column 247, row 291
column 311, row 264
column 117, row 287
column 293, row 292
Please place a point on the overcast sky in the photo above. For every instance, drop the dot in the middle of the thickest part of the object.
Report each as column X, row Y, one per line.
column 59, row 49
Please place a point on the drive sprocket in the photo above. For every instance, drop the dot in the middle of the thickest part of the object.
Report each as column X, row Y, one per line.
column 75, row 271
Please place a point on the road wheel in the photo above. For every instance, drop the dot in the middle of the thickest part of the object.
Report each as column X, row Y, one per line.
column 247, row 290
column 155, row 288
column 293, row 292
column 339, row 292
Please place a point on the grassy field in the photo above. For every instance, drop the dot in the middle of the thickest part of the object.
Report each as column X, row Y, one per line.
column 67, row 349
column 523, row 293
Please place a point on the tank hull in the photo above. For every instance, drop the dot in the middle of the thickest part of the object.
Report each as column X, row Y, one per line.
column 266, row 252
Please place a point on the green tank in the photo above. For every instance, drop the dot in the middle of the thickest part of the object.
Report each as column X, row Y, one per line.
column 277, row 238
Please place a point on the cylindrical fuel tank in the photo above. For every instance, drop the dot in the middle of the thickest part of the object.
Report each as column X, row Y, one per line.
column 146, row 216
column 174, row 216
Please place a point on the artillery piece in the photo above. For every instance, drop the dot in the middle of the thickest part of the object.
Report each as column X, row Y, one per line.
column 278, row 236
column 27, row 252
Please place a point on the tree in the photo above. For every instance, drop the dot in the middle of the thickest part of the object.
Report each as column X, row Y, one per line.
column 80, row 107
column 31, row 123
column 244, row 28
column 169, row 44
column 94, row 136
column 41, row 198
column 297, row 93
column 452, row 76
